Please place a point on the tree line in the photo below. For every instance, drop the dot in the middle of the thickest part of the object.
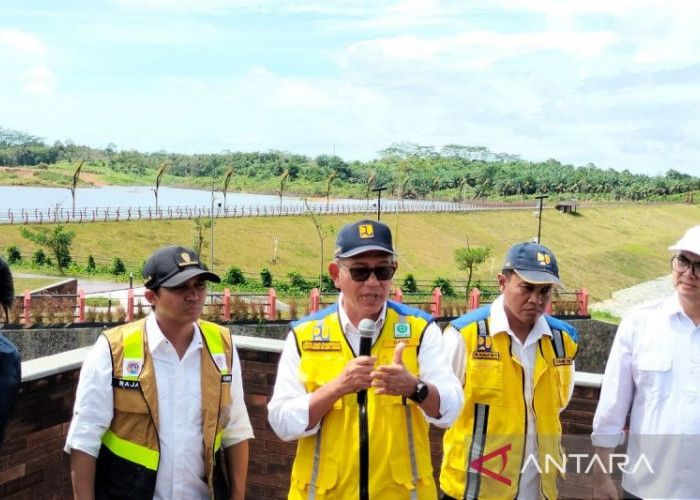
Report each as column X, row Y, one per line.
column 407, row 170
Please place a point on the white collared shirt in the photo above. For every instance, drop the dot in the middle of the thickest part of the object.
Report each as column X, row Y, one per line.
column 181, row 473
column 288, row 410
column 529, row 486
column 654, row 369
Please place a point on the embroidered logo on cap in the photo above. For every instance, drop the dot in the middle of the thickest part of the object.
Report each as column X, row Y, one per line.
column 187, row 260
column 544, row 258
column 366, row 231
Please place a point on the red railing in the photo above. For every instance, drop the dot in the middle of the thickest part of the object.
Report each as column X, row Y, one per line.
column 73, row 308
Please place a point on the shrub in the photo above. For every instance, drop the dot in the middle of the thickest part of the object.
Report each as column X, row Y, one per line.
column 13, row 254
column 234, row 276
column 39, row 257
column 445, row 286
column 327, row 283
column 90, row 266
column 118, row 267
column 409, row 284
column 266, row 277
column 297, row 281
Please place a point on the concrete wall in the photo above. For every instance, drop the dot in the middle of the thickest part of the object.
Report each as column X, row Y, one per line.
column 595, row 339
column 33, row 465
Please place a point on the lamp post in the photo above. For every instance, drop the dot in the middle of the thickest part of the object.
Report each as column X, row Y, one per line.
column 539, row 218
column 379, row 200
column 211, row 224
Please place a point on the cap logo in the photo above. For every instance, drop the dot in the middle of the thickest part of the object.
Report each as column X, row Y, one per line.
column 366, row 231
column 544, row 258
column 187, row 260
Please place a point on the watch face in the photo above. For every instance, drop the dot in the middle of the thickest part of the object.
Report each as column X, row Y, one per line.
column 420, row 393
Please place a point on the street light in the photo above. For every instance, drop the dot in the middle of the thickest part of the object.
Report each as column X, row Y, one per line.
column 379, row 200
column 539, row 221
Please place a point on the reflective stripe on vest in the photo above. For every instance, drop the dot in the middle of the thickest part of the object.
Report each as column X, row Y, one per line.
column 133, row 351
column 131, row 451
column 212, row 336
column 476, row 452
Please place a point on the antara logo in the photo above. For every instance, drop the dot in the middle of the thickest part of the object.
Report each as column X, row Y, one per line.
column 502, row 452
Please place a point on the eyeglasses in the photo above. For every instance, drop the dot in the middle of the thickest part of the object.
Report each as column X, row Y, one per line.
column 682, row 264
column 359, row 274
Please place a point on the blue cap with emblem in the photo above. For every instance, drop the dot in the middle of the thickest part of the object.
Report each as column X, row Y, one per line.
column 363, row 236
column 534, row 263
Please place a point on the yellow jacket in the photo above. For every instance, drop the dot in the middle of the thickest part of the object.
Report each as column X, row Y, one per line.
column 483, row 450
column 327, row 464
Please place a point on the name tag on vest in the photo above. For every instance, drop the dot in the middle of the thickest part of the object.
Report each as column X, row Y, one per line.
column 562, row 361
column 125, row 384
column 315, row 345
column 226, row 379
column 486, row 355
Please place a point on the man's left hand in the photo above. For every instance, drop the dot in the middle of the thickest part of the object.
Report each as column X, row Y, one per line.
column 394, row 379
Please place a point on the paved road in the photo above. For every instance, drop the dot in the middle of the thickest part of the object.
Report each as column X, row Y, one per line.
column 623, row 300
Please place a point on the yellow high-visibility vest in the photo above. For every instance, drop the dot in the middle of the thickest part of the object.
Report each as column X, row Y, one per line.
column 327, row 464
column 483, row 450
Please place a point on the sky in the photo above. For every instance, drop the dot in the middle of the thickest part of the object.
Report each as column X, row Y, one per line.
column 615, row 83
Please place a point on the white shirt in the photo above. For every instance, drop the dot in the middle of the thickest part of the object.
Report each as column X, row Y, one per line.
column 529, row 486
column 181, row 472
column 288, row 410
column 654, row 367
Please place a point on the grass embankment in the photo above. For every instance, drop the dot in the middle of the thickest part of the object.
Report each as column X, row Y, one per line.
column 603, row 248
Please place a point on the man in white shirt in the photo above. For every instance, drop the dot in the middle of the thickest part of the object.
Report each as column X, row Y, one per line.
column 359, row 382
column 160, row 401
column 653, row 373
column 516, row 368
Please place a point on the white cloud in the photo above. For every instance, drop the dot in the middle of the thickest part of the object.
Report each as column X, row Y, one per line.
column 21, row 42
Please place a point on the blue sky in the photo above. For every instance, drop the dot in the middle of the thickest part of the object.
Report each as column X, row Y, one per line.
column 615, row 83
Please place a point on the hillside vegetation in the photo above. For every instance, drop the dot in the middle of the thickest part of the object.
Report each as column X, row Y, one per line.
column 604, row 248
column 454, row 172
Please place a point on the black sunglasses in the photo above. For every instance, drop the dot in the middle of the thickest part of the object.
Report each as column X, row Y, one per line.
column 382, row 273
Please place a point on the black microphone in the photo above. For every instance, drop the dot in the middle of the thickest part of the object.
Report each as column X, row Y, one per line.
column 366, row 328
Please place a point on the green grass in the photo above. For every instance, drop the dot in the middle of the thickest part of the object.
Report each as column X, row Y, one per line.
column 605, row 248
column 22, row 284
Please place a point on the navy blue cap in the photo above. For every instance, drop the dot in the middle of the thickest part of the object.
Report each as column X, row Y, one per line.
column 363, row 236
column 534, row 263
column 171, row 266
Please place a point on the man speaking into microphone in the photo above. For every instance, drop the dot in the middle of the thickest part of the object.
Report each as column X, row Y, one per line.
column 359, row 382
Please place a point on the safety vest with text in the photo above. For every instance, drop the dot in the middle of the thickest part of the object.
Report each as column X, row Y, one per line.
column 327, row 464
column 127, row 464
column 484, row 449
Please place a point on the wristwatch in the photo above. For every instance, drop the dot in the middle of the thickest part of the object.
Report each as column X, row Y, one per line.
column 420, row 392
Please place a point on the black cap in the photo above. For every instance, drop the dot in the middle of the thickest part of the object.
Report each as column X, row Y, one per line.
column 534, row 263
column 171, row 266
column 363, row 236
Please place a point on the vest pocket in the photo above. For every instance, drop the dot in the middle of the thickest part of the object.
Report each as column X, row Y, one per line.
column 129, row 400
column 485, row 379
column 303, row 474
column 319, row 368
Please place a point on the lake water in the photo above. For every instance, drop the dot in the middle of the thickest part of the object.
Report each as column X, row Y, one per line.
column 30, row 198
